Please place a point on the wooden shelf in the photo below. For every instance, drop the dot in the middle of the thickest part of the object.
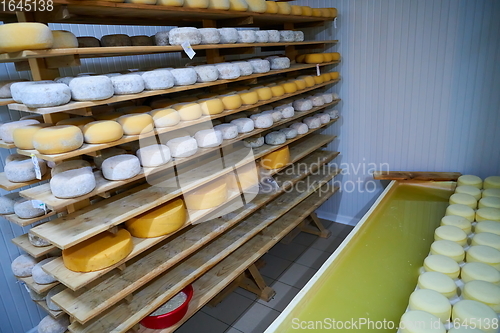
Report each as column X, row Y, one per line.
column 5, row 144
column 96, row 52
column 10, row 186
column 44, row 194
column 53, row 314
column 5, row 101
column 24, row 222
column 221, row 275
column 34, row 251
column 122, row 317
column 39, row 288
column 120, row 98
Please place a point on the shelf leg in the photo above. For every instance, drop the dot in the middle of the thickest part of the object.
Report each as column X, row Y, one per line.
column 254, row 282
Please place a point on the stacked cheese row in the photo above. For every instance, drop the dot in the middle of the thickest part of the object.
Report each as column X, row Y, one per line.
column 317, row 58
column 460, row 282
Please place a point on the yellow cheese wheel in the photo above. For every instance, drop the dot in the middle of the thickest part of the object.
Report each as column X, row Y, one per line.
column 247, row 177
column 301, row 84
column 98, row 252
column 102, row 131
column 325, row 12
column 486, row 238
column 16, row 37
column 160, row 221
column 134, row 109
column 211, row 106
column 461, row 210
column 439, row 282
column 327, row 57
column 207, row 196
column 309, row 79
column 264, row 93
column 300, row 58
column 218, row 4
column 277, row 91
column 170, row 3
column 290, row 87
column 258, row 6
column 23, row 136
column 449, row 249
column 161, row 103
column 77, row 121
column 231, row 101
column 488, row 226
column 470, row 180
column 238, row 5
column 484, row 292
column 165, row 117
column 135, row 124
column 277, row 159
column 334, row 75
column 333, row 12
column 316, row 12
column 335, row 56
column 314, row 58
column 296, row 10
column 249, row 97
column 485, row 254
column 271, row 7
column 196, row 3
column 463, row 199
column 307, row 11
column 64, row 39
column 58, row 139
column 492, row 202
column 492, row 182
column 479, row 271
column 442, row 264
column 109, row 116
column 458, row 221
column 488, row 214
column 432, row 302
column 188, row 111
column 326, row 77
column 284, row 8
column 451, row 233
column 318, row 79
column 475, row 314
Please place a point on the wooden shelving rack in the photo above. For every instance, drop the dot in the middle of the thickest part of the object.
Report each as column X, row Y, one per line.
column 215, row 256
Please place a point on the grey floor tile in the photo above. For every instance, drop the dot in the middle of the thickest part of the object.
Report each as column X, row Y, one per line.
column 287, row 251
column 336, row 228
column 199, row 323
column 284, row 295
column 275, row 266
column 344, row 232
column 328, row 245
column 313, row 258
column 304, row 239
column 297, row 275
column 229, row 309
column 326, row 223
column 246, row 293
column 233, row 330
column 256, row 319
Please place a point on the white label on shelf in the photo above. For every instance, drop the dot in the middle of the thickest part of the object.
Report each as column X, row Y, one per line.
column 318, row 72
column 38, row 173
column 188, row 49
column 39, row 204
column 335, row 23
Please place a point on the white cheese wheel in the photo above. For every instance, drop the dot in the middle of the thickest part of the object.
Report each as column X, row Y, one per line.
column 37, row 241
column 244, row 125
column 36, row 296
column 442, row 264
column 177, row 36
column 488, row 226
column 245, row 67
column 261, row 36
column 184, row 76
column 23, row 265
column 475, row 314
column 39, row 275
column 161, row 38
column 262, row 120
column 258, row 6
column 6, row 205
column 206, row 73
column 142, row 40
column 58, row 139
column 287, row 111
column 470, row 180
column 484, row 254
column 189, row 111
column 300, row 127
column 45, row 95
column 91, row 88
column 196, row 3
column 449, row 249
column 479, row 271
column 421, row 322
column 298, row 36
column 127, row 84
column 228, row 35
column 238, row 5
column 471, row 190
column 135, row 124
column 183, row 147
column 246, row 36
column 165, row 117
column 229, row 131
column 5, row 87
column 463, row 199
column 432, row 302
column 439, row 282
column 334, row 114
column 486, row 238
column 287, row 36
column 115, row 40
column 312, row 122
column 275, row 138
column 106, row 153
column 488, row 214
column 302, row 105
column 254, row 142
column 451, row 233
column 492, row 202
column 492, row 182
column 276, row 114
column 260, row 66
column 316, row 100
column 461, row 210
column 121, row 167
column 88, row 41
column 484, row 292
column 208, row 138
column 280, row 63
column 73, row 182
column 64, row 39
column 23, row 170
column 209, row 35
column 17, row 88
column 457, row 221
column 228, row 71
column 15, row 37
column 154, row 155
column 323, row 117
column 102, row 131
column 327, row 97
column 274, row 36
column 289, row 132
column 52, row 292
column 7, row 129
column 51, row 325
column 159, row 79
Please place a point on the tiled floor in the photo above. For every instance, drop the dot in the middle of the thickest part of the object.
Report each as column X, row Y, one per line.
column 287, row 269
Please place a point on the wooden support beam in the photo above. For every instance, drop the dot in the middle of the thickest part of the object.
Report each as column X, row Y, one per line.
column 416, row 175
column 254, row 282
column 236, row 22
column 316, row 228
column 242, row 50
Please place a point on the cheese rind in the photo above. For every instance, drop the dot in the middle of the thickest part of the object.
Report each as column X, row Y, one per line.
column 135, row 124
column 58, row 139
column 275, row 138
column 35, row 36
column 102, row 131
column 442, row 264
column 484, row 254
column 231, row 102
column 64, row 39
column 475, row 314
column 189, row 111
column 121, row 167
column 439, row 282
column 479, row 271
column 457, row 221
column 228, row 35
column 207, row 196
column 183, row 146
column 91, row 88
column 432, row 302
column 23, row 265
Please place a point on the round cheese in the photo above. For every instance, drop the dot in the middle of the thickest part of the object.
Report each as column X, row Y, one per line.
column 58, row 139
column 286, row 111
column 253, row 142
column 177, row 36
column 323, row 117
column 15, row 37
column 228, row 71
column 475, row 314
column 106, row 153
column 287, row 36
column 296, row 10
column 7, row 129
column 102, row 131
column 275, row 138
column 260, row 66
column 228, row 35
column 196, row 3
column 318, row 79
column 484, row 292
column 115, row 40
column 184, row 76
column 161, row 38
column 183, row 146
column 302, row 105
column 449, row 249
column 274, row 36
column 298, row 35
column 51, row 325
column 333, row 12
column 488, row 226
column 258, row 6
column 277, row 91
column 37, row 241
column 308, row 79
column 142, row 40
column 72, row 179
column 249, row 97
column 135, row 124
column 317, row 12
column 45, row 95
column 463, row 199
column 289, row 132
column 316, row 100
column 312, row 122
column 52, row 292
column 165, row 117
column 188, row 111
column 457, row 221
column 432, row 302
column 276, row 114
column 289, row 87
column 442, row 264
column 470, row 180
column 419, row 321
column 300, row 127
column 246, row 36
column 262, row 120
column 231, row 101
column 154, row 155
column 88, row 41
column 488, row 214
column 91, row 88
column 207, row 196
column 491, row 192
column 127, row 84
column 158, row 79
column 280, row 63
column 244, row 125
column 492, row 202
column 24, row 209
column 334, row 114
column 336, row 56
column 171, row 3
column 284, row 8
column 20, row 169
column 492, row 182
column 210, row 35
column 208, row 138
column 98, row 252
column 245, row 67
column 39, row 275
column 121, row 167
column 264, row 93
column 271, row 7
column 23, row 265
column 262, row 36
column 63, row 39
column 206, row 73
column 229, row 131
column 451, row 233
column 439, row 282
column 314, row 58
column 484, row 254
column 306, row 11
column 470, row 190
column 479, row 271
column 461, row 210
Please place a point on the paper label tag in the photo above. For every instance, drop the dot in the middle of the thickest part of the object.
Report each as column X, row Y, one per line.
column 188, row 49
column 25, row 286
column 34, row 160
column 39, row 204
column 318, row 72
column 335, row 23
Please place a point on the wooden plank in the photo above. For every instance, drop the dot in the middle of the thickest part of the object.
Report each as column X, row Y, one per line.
column 5, row 101
column 10, row 186
column 416, row 175
column 53, row 314
column 121, row 318
column 39, row 288
column 25, row 222
column 5, row 144
column 120, row 98
column 34, row 251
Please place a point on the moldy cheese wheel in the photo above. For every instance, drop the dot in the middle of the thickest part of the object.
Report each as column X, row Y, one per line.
column 35, row 36
column 207, row 196
column 102, row 131
column 58, row 139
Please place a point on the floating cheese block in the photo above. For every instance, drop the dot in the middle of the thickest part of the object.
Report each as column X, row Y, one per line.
column 334, row 114
column 196, row 3
column 276, row 114
column 289, row 87
column 165, row 117
column 300, row 127
column 98, row 252
column 274, row 36
column 277, row 91
column 87, row 41
column 260, row 65
column 488, row 226
column 24, row 209
column 228, row 35
column 471, row 190
column 470, row 180
column 474, row 314
column 451, row 233
column 228, row 71
column 135, row 124
column 287, row 36
column 463, row 199
column 312, row 122
column 244, row 125
column 23, row 265
column 231, row 102
column 63, row 39
column 298, row 35
column 91, row 88
column 442, row 264
column 457, row 221
column 488, row 214
column 177, row 36
column 37, row 241
column 207, row 196
column 161, row 38
column 245, row 67
column 142, row 40
column 296, row 10
column 448, row 248
column 492, row 202
column 316, row 100
column 158, row 79
column 51, row 325
column 184, row 76
column 183, row 146
column 206, row 73
column 160, row 221
column 7, row 129
column 484, row 292
column 461, row 210
column 72, row 179
column 21, row 169
column 189, row 111
column 249, row 97
column 484, row 254
column 479, row 271
column 229, row 131
column 420, row 322
column 208, row 138
column 52, row 292
column 439, row 282
column 432, row 302
column 314, row 58
column 154, row 155
column 492, row 182
column 121, row 167
column 253, row 142
column 45, row 95
column 57, row 139
column 271, row 7
column 284, row 8
column 306, row 11
column 127, row 84
column 275, row 138
column 286, row 111
column 115, row 40
column 39, row 275
column 15, row 37
column 262, row 120
column 246, row 36
column 238, row 5
column 102, row 131
column 258, row 6
column 491, row 192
